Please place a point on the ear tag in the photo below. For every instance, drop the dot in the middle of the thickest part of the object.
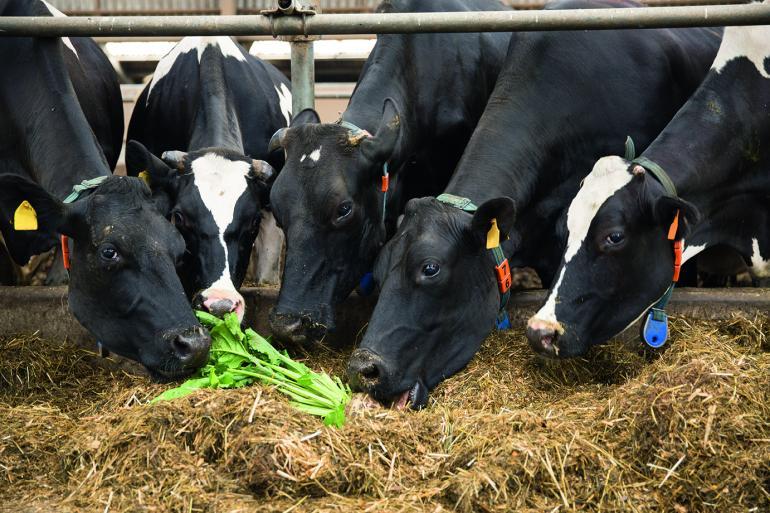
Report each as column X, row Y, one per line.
column 655, row 329
column 493, row 236
column 25, row 218
column 674, row 227
column 366, row 286
column 145, row 176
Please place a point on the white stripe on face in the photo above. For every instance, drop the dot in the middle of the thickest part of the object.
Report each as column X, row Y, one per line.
column 316, row 154
column 608, row 176
column 58, row 14
column 759, row 266
column 748, row 42
column 221, row 182
column 226, row 46
column 284, row 101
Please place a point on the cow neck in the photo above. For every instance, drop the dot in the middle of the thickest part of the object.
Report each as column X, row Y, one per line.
column 704, row 169
column 216, row 123
column 57, row 138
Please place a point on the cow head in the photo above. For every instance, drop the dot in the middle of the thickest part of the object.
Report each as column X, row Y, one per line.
column 123, row 283
column 618, row 261
column 329, row 202
column 214, row 197
column 438, row 300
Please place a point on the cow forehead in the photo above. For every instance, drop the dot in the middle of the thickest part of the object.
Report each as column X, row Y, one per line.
column 220, row 182
column 609, row 175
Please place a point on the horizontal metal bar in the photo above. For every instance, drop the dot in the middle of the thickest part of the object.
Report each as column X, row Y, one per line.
column 392, row 23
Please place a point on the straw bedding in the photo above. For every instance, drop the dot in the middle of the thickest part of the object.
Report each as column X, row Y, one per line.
column 684, row 430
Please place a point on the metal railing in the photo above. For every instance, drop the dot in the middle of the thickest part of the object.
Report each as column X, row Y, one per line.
column 299, row 29
column 187, row 7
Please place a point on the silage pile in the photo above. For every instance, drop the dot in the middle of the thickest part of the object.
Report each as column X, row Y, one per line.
column 685, row 431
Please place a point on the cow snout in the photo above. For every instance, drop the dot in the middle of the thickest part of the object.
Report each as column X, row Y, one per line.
column 219, row 302
column 296, row 329
column 543, row 337
column 191, row 347
column 366, row 370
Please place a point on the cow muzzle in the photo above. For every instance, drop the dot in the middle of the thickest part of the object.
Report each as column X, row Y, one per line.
column 543, row 337
column 219, row 302
column 291, row 328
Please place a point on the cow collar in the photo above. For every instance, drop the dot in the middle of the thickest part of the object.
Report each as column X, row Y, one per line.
column 655, row 328
column 502, row 267
column 77, row 190
column 366, row 285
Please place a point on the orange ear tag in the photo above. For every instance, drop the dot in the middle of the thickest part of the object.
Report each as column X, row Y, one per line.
column 674, row 227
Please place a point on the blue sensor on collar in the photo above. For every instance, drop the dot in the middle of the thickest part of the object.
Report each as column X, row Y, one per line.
column 503, row 322
column 366, row 286
column 655, row 329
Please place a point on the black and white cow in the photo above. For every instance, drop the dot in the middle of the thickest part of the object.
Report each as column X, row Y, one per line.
column 562, row 100
column 123, row 284
column 414, row 108
column 201, row 129
column 619, row 260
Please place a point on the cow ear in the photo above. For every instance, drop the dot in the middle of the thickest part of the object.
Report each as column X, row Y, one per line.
column 665, row 209
column 32, row 218
column 380, row 148
column 306, row 117
column 162, row 179
column 502, row 210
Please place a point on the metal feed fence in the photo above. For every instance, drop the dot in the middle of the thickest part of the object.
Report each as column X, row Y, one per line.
column 187, row 7
column 299, row 29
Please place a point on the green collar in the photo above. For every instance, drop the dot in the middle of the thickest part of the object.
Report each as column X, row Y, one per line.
column 85, row 185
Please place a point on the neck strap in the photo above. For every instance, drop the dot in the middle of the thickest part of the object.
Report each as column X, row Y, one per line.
column 655, row 329
column 502, row 267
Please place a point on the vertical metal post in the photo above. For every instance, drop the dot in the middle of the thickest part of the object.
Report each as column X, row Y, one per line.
column 302, row 75
column 228, row 7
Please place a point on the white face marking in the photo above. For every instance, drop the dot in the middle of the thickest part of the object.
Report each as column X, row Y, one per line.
column 691, row 251
column 226, row 46
column 284, row 100
column 759, row 266
column 58, row 14
column 316, row 154
column 748, row 42
column 221, row 182
column 608, row 176
column 302, row 158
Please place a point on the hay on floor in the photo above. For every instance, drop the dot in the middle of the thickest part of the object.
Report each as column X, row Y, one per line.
column 686, row 430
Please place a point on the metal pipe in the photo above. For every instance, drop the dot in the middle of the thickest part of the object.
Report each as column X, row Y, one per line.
column 391, row 23
column 302, row 76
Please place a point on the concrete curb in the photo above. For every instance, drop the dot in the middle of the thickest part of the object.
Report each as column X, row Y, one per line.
column 43, row 310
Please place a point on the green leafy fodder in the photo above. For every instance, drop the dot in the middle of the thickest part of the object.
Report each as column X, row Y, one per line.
column 239, row 358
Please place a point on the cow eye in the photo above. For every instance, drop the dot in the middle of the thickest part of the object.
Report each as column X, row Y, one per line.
column 430, row 269
column 344, row 209
column 109, row 253
column 177, row 219
column 615, row 238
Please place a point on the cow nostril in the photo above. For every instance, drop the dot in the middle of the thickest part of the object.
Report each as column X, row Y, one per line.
column 370, row 372
column 182, row 347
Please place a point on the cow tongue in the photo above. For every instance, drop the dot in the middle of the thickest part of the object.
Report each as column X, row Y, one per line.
column 413, row 396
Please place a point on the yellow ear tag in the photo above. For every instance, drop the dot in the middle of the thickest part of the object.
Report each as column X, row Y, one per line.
column 25, row 218
column 145, row 176
column 493, row 236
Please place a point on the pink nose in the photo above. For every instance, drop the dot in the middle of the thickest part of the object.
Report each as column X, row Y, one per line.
column 220, row 302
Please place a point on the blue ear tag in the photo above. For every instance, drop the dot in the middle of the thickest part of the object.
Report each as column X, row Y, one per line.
column 655, row 329
column 503, row 322
column 366, row 286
